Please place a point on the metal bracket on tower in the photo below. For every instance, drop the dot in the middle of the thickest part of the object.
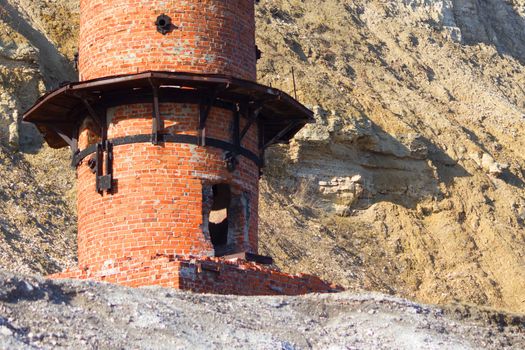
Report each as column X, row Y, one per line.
column 91, row 111
column 104, row 159
column 157, row 121
column 236, row 136
column 280, row 134
column 206, row 103
column 71, row 141
column 205, row 109
column 253, row 116
column 231, row 161
column 231, row 157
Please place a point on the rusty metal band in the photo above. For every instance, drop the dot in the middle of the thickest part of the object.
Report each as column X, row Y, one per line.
column 169, row 138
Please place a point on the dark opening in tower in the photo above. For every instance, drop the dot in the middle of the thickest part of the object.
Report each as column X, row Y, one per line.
column 218, row 219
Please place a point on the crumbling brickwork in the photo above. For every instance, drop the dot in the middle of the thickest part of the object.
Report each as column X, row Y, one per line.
column 210, row 275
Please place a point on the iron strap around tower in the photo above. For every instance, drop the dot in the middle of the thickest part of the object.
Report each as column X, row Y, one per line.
column 169, row 138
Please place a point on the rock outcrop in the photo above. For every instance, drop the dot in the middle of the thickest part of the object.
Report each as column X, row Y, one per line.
column 32, row 36
column 412, row 181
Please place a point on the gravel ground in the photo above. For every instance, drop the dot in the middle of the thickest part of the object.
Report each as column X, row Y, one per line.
column 42, row 314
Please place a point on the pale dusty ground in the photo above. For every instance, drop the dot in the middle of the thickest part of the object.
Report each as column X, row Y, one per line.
column 70, row 315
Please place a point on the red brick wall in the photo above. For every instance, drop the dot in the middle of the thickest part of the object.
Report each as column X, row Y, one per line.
column 157, row 205
column 212, row 36
column 204, row 276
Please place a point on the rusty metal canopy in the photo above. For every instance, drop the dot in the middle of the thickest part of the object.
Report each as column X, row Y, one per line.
column 62, row 110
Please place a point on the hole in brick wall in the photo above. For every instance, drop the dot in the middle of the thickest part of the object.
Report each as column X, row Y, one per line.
column 226, row 219
column 218, row 219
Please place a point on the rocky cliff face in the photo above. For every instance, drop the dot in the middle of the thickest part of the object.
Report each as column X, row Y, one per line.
column 411, row 181
column 35, row 39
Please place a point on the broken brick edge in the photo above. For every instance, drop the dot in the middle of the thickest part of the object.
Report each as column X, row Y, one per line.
column 202, row 275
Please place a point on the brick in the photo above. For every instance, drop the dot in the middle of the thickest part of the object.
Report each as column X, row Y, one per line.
column 212, row 36
column 205, row 275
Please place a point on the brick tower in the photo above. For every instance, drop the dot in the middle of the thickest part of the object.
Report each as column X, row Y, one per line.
column 168, row 129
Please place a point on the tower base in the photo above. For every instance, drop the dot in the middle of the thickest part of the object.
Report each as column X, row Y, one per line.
column 202, row 275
